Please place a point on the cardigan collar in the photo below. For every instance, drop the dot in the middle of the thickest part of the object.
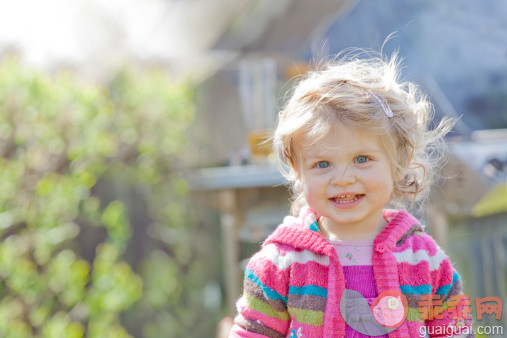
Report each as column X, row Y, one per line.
column 302, row 232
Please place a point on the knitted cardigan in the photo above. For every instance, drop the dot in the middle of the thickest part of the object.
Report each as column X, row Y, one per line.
column 293, row 285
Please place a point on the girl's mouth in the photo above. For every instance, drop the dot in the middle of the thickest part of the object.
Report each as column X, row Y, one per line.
column 347, row 201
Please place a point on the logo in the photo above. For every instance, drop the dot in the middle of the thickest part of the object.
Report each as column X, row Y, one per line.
column 459, row 307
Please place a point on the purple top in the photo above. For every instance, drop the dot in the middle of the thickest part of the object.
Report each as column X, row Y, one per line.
column 356, row 260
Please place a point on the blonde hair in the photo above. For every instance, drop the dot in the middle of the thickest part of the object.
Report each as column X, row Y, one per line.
column 339, row 93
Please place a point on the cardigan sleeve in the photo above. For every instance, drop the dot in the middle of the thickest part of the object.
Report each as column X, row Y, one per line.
column 262, row 309
column 452, row 310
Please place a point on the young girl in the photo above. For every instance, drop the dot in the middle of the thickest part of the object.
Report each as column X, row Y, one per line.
column 353, row 140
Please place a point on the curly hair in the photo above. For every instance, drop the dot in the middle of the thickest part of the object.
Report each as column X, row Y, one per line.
column 340, row 92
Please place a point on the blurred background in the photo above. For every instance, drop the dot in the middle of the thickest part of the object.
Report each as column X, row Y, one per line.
column 135, row 180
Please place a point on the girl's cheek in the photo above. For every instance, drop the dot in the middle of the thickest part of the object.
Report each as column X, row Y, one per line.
column 313, row 180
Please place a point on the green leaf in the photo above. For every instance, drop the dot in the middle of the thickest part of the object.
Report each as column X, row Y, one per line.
column 117, row 224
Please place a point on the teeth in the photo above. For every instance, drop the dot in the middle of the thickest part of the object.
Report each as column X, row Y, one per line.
column 346, row 199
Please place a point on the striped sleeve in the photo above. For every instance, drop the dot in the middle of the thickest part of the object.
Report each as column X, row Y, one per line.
column 455, row 320
column 262, row 309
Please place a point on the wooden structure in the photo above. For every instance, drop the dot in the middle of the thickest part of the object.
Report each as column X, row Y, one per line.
column 235, row 192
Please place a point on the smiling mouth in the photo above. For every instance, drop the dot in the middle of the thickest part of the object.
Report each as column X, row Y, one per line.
column 347, row 198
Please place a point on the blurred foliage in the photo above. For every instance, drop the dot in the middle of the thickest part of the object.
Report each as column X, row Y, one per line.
column 97, row 233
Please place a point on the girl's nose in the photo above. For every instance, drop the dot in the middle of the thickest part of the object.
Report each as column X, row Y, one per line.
column 343, row 177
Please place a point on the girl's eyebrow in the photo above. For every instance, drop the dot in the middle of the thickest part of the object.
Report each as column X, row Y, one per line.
column 312, row 156
column 368, row 151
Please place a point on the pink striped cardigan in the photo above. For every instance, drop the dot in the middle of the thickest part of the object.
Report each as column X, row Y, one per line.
column 293, row 285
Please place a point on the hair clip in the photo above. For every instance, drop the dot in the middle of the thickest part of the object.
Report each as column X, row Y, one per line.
column 382, row 102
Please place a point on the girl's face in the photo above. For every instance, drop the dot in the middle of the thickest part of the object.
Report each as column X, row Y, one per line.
column 347, row 180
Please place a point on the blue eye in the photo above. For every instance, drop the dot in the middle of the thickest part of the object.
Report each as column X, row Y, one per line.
column 323, row 164
column 362, row 159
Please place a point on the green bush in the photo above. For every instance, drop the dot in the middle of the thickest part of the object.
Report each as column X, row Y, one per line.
column 95, row 226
